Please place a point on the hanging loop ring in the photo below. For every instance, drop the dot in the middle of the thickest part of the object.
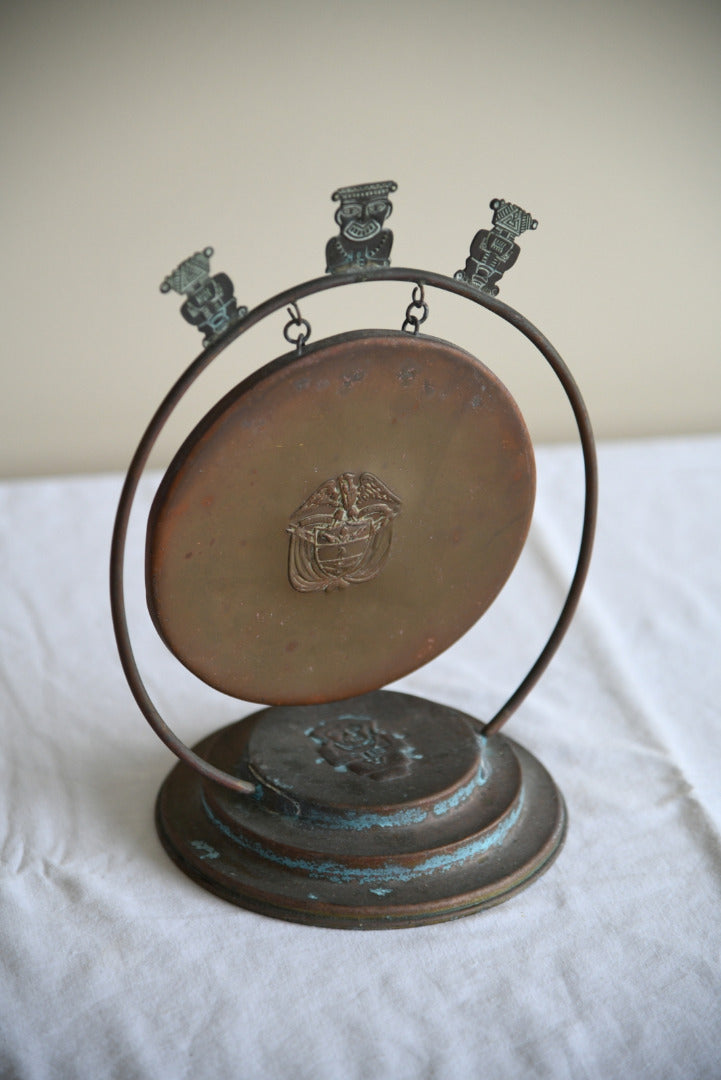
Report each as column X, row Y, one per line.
column 296, row 320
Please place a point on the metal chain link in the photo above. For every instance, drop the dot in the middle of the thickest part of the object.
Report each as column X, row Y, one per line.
column 296, row 319
column 412, row 322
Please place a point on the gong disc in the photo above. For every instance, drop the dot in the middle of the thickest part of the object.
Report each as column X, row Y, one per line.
column 339, row 518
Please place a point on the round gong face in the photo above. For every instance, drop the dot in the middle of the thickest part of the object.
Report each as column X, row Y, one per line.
column 339, row 519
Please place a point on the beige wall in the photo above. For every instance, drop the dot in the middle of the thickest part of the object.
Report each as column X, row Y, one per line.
column 135, row 133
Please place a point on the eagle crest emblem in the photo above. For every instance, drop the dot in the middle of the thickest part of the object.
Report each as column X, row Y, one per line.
column 342, row 533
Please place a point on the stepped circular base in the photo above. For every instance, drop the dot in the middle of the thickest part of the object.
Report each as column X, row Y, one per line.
column 384, row 810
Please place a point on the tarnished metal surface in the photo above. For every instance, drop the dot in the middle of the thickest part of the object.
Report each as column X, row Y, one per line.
column 382, row 811
column 339, row 518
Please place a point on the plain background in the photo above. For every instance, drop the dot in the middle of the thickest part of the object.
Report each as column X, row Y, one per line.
column 135, row 133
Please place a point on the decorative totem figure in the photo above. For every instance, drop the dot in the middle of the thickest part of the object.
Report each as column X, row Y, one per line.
column 211, row 303
column 494, row 251
column 363, row 242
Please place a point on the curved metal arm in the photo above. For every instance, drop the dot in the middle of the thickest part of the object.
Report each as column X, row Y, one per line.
column 168, row 405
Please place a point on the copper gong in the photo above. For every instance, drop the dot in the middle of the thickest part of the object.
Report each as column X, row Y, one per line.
column 339, row 518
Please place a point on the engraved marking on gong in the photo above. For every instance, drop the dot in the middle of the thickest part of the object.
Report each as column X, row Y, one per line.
column 342, row 534
column 355, row 743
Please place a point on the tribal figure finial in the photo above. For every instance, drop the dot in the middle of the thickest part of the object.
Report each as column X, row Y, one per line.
column 211, row 303
column 493, row 251
column 362, row 242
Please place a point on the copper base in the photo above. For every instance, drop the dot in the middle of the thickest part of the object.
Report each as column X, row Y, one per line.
column 379, row 811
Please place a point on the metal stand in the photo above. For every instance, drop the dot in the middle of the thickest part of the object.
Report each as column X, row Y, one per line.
column 376, row 811
column 382, row 811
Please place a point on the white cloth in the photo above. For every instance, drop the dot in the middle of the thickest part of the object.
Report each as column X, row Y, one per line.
column 114, row 964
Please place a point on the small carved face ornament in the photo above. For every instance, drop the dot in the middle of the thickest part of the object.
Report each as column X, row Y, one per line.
column 362, row 219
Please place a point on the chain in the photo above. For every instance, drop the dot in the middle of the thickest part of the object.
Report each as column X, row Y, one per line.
column 412, row 322
column 296, row 319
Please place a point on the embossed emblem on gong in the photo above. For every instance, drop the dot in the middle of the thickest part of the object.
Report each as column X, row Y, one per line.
column 342, row 533
column 355, row 743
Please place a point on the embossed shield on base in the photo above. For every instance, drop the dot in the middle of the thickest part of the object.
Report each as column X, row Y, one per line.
column 383, row 811
column 339, row 518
